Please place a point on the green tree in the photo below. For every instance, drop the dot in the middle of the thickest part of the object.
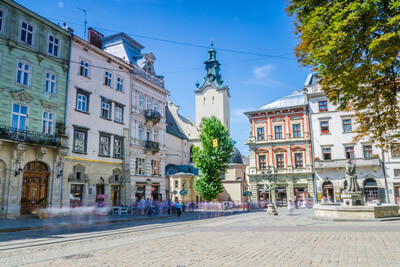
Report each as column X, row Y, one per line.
column 354, row 46
column 210, row 159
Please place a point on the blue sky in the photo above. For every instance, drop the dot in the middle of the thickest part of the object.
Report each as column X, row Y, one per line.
column 253, row 27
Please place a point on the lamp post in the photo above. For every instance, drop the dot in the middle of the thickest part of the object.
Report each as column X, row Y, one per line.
column 271, row 207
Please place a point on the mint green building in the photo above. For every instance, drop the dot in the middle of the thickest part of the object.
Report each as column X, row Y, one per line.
column 34, row 63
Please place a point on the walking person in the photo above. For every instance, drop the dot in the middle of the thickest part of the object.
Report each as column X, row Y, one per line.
column 295, row 201
column 169, row 206
column 290, row 207
column 178, row 208
column 142, row 205
column 149, row 206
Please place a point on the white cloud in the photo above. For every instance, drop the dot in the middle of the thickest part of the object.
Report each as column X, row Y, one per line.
column 60, row 4
column 237, row 115
column 263, row 75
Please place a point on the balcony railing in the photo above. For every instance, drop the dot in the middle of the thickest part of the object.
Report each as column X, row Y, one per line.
column 152, row 115
column 154, row 147
column 30, row 137
column 341, row 163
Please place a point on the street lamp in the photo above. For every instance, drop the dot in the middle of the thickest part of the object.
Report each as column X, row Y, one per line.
column 271, row 207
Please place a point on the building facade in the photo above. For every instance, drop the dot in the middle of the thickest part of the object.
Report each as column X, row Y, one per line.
column 333, row 144
column 97, row 126
column 34, row 56
column 280, row 140
column 147, row 148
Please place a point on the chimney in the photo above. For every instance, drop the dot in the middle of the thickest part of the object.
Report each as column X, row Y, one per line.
column 94, row 38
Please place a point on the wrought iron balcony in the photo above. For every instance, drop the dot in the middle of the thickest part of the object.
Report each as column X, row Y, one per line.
column 30, row 137
column 152, row 115
column 154, row 147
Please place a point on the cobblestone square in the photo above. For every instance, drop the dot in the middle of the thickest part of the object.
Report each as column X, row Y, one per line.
column 245, row 239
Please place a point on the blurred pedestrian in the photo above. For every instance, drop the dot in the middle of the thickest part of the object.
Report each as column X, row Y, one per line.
column 142, row 205
column 178, row 208
column 290, row 207
column 149, row 206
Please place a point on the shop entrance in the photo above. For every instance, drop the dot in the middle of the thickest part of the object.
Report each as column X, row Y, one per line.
column 115, row 197
column 397, row 194
column 263, row 198
column 281, row 197
column 140, row 191
column 327, row 191
column 370, row 189
column 34, row 187
column 76, row 195
column 155, row 193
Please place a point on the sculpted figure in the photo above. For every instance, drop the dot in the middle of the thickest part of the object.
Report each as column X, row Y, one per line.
column 351, row 177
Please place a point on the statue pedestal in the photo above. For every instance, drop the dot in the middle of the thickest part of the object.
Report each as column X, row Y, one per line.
column 271, row 211
column 351, row 199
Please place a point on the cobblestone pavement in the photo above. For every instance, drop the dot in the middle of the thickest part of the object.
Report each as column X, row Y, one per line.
column 246, row 239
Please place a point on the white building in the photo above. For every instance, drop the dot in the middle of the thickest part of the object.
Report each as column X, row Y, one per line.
column 333, row 145
column 97, row 125
column 147, row 151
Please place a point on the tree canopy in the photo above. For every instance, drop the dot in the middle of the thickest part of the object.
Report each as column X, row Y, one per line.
column 354, row 46
column 210, row 159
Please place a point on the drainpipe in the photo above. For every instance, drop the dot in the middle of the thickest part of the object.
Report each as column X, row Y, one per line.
column 65, row 116
column 312, row 153
column 384, row 176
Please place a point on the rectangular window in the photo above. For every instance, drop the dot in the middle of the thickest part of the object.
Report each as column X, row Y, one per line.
column 104, row 148
column 54, row 45
column 108, row 78
column 120, row 84
column 323, row 106
column 347, row 126
column 326, row 152
column 298, row 159
column 324, row 127
column 155, row 167
column 155, row 106
column 84, row 69
column 148, row 104
column 396, row 172
column 26, row 33
column 2, row 19
column 296, row 131
column 141, row 102
column 349, row 152
column 82, row 101
column 23, row 73
column 141, row 136
column 19, row 115
column 50, row 82
column 119, row 114
column 80, row 140
column 395, row 149
column 176, row 184
column 260, row 134
column 48, row 123
column 118, row 147
column 262, row 164
column 140, row 163
column 367, row 152
column 105, row 109
column 280, row 164
column 278, row 132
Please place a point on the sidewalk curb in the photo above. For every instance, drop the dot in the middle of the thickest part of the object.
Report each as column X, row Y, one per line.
column 20, row 229
column 330, row 219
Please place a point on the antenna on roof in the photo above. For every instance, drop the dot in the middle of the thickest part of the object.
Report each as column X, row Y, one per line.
column 84, row 33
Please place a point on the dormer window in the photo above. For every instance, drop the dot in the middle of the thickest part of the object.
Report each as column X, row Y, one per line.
column 149, row 67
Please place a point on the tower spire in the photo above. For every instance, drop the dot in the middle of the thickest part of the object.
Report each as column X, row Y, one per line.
column 213, row 75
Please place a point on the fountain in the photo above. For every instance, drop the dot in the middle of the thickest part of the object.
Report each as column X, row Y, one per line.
column 353, row 206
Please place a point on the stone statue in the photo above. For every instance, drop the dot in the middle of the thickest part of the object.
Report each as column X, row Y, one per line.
column 351, row 177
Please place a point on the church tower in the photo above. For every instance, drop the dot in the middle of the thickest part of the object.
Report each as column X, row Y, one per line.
column 212, row 98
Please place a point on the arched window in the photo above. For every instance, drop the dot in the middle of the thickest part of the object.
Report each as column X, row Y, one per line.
column 370, row 189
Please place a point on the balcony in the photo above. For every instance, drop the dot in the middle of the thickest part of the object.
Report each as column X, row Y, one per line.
column 341, row 163
column 29, row 137
column 152, row 115
column 154, row 147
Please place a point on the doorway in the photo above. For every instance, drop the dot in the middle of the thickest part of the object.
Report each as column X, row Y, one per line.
column 115, row 198
column 34, row 187
column 327, row 191
column 397, row 194
column 76, row 195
